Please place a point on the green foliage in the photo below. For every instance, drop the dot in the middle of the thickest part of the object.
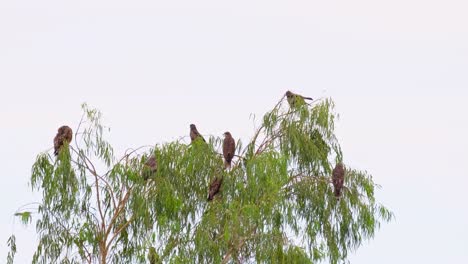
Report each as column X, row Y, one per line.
column 153, row 257
column 25, row 217
column 276, row 204
column 12, row 245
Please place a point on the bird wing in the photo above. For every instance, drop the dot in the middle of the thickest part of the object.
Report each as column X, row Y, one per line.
column 68, row 134
column 57, row 143
column 229, row 147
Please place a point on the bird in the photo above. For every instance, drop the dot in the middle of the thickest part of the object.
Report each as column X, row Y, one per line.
column 296, row 99
column 215, row 186
column 229, row 147
column 194, row 134
column 150, row 168
column 338, row 179
column 64, row 134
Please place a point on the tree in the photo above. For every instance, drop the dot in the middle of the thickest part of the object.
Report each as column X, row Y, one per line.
column 276, row 204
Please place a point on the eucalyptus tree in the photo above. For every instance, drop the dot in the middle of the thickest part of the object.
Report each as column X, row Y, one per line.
column 276, row 203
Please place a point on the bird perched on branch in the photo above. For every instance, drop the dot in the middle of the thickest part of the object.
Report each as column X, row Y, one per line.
column 64, row 134
column 150, row 167
column 215, row 186
column 194, row 134
column 296, row 99
column 229, row 147
column 338, row 179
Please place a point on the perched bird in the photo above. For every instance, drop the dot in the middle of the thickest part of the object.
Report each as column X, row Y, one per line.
column 296, row 99
column 64, row 134
column 194, row 134
column 229, row 147
column 215, row 186
column 150, row 167
column 338, row 179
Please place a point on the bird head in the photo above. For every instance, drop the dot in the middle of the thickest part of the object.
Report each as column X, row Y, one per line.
column 289, row 93
column 339, row 166
column 192, row 126
column 63, row 129
column 227, row 134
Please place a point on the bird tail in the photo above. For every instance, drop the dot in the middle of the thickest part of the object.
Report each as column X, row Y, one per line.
column 227, row 165
column 338, row 193
column 307, row 98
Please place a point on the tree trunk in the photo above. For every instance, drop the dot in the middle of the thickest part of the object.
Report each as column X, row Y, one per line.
column 103, row 253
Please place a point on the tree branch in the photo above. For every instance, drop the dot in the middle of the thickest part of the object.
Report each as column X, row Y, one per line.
column 120, row 207
column 241, row 243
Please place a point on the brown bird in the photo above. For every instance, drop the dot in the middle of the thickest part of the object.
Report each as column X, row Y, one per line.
column 64, row 134
column 229, row 147
column 296, row 99
column 215, row 186
column 194, row 134
column 338, row 179
column 150, row 167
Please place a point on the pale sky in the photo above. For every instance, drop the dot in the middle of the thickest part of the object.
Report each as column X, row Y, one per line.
column 397, row 70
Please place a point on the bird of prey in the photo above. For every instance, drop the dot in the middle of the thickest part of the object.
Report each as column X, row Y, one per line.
column 64, row 134
column 229, row 147
column 215, row 186
column 194, row 134
column 338, row 179
column 150, row 167
column 296, row 99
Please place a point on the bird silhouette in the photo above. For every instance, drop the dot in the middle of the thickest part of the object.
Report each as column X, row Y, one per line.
column 150, row 167
column 229, row 147
column 215, row 186
column 64, row 134
column 338, row 179
column 296, row 99
column 194, row 134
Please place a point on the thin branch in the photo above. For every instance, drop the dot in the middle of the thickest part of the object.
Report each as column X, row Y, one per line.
column 126, row 155
column 257, row 133
column 120, row 207
column 98, row 200
column 301, row 177
column 78, row 129
column 267, row 141
column 241, row 243
column 94, row 173
column 120, row 230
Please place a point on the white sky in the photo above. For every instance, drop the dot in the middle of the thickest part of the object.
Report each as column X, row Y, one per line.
column 398, row 71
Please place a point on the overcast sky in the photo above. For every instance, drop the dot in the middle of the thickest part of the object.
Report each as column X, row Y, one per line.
column 397, row 70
